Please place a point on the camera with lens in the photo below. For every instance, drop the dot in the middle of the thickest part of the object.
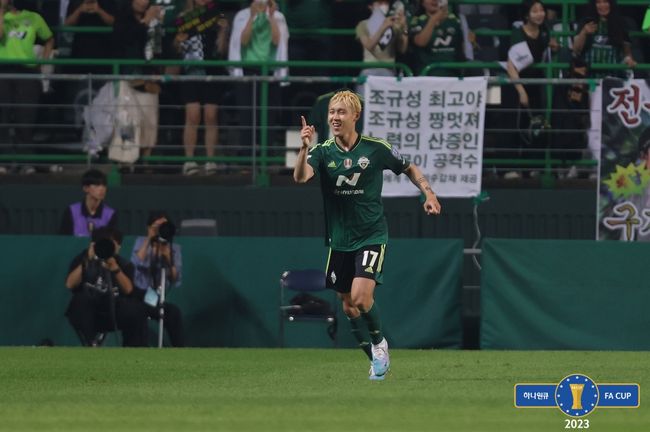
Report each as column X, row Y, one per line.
column 97, row 278
column 104, row 248
column 166, row 232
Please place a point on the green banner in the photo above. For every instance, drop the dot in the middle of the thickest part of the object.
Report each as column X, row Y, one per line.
column 230, row 292
column 561, row 294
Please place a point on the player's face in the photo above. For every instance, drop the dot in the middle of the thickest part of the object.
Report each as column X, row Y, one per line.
column 341, row 119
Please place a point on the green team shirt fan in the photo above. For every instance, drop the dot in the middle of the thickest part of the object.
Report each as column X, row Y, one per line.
column 20, row 33
column 445, row 45
column 351, row 183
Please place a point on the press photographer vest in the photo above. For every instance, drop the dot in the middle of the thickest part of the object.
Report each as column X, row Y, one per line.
column 83, row 225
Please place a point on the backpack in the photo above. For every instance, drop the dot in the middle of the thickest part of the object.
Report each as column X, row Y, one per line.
column 311, row 305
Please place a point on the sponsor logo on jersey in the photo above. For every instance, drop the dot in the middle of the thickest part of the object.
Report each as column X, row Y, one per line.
column 332, row 164
column 347, row 163
column 442, row 41
column 364, row 162
column 369, row 269
column 333, row 277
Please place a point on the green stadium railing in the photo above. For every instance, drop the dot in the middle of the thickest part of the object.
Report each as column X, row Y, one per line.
column 262, row 177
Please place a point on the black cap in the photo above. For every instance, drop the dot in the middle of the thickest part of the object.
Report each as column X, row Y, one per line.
column 93, row 177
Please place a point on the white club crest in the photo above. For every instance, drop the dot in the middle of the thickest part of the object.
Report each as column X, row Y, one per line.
column 364, row 162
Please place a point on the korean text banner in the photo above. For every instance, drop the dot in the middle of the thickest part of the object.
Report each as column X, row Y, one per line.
column 436, row 124
column 624, row 186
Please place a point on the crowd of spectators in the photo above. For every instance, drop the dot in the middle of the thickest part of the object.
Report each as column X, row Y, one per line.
column 414, row 32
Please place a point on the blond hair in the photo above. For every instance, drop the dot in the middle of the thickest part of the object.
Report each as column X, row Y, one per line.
column 349, row 99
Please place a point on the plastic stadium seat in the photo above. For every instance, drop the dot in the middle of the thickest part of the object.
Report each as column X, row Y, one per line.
column 304, row 305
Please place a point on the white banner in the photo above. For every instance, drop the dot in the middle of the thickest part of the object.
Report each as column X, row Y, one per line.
column 435, row 123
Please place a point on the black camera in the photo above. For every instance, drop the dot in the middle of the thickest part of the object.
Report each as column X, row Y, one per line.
column 166, row 232
column 104, row 248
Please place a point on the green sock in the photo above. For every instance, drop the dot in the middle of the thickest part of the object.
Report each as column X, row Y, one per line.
column 356, row 325
column 374, row 323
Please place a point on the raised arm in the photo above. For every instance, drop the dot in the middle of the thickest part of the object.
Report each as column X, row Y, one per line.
column 303, row 171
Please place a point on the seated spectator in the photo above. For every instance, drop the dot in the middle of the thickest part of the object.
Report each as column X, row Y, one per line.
column 101, row 283
column 382, row 37
column 603, row 38
column 91, row 13
column 82, row 218
column 19, row 31
column 209, row 44
column 259, row 33
column 436, row 36
column 137, row 35
column 150, row 255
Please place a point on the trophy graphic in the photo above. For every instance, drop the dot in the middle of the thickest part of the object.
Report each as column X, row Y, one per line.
column 576, row 392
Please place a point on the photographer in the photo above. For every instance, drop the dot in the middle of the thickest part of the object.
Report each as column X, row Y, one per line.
column 101, row 283
column 152, row 254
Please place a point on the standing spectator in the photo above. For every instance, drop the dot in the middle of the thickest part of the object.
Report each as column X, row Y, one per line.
column 150, row 254
column 82, row 218
column 101, row 283
column 382, row 37
column 570, row 115
column 209, row 44
column 602, row 37
column 19, row 31
column 436, row 36
column 91, row 13
column 136, row 35
column 259, row 33
column 530, row 44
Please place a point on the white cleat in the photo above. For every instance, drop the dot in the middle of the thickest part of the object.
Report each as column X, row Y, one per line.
column 374, row 377
column 380, row 358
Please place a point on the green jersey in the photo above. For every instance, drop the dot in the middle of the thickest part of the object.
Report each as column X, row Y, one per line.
column 445, row 45
column 351, row 183
column 20, row 33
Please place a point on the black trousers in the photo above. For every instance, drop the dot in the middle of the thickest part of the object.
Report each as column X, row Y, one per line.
column 172, row 322
column 18, row 99
column 91, row 313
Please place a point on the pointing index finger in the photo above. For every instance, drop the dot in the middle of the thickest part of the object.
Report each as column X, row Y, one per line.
column 304, row 122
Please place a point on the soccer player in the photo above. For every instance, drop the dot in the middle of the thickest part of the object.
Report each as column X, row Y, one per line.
column 350, row 167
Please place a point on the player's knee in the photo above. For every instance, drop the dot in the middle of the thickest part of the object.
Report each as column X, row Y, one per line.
column 361, row 303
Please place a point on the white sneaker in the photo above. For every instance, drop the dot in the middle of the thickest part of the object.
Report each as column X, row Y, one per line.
column 210, row 168
column 380, row 358
column 27, row 170
column 512, row 175
column 190, row 168
column 572, row 173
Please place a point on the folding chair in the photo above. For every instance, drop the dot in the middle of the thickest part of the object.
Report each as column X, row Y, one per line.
column 306, row 283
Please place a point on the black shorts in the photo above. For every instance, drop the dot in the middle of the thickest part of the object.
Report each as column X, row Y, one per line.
column 366, row 262
column 201, row 92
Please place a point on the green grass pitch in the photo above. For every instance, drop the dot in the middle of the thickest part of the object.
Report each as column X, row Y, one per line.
column 114, row 389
